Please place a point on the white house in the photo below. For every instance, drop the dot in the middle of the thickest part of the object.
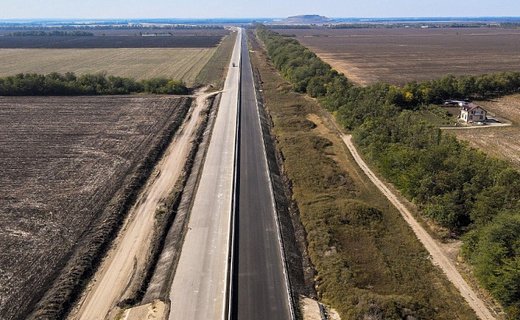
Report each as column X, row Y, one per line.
column 471, row 112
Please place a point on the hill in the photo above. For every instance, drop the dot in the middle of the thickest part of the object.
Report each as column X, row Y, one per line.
column 306, row 19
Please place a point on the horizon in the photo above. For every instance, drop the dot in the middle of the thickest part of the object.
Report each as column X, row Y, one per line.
column 253, row 18
column 233, row 9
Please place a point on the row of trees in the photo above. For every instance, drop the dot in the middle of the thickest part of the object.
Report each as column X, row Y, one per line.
column 40, row 33
column 460, row 188
column 87, row 84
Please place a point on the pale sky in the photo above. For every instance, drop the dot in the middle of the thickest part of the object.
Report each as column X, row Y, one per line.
column 21, row 9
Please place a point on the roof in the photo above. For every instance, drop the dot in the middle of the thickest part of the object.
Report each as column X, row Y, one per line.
column 470, row 107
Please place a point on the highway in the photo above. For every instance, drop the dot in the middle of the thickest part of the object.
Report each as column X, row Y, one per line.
column 260, row 287
column 200, row 283
column 254, row 271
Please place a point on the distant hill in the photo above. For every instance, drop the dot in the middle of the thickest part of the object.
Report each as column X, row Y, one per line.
column 306, row 19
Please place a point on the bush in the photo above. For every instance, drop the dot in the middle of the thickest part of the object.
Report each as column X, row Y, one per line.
column 494, row 250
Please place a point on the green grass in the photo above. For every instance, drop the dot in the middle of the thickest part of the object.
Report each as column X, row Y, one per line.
column 369, row 263
column 214, row 72
column 437, row 115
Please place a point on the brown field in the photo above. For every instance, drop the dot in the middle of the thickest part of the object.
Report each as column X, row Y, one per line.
column 190, row 32
column 503, row 143
column 401, row 55
column 62, row 161
column 139, row 63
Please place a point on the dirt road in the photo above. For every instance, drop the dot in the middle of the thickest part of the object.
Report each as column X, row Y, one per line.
column 126, row 261
column 439, row 258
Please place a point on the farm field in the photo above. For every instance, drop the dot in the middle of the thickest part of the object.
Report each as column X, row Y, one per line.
column 99, row 31
column 90, row 42
column 180, row 56
column 63, row 160
column 139, row 63
column 214, row 72
column 503, row 143
column 402, row 55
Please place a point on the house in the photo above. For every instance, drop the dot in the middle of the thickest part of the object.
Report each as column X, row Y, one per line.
column 471, row 113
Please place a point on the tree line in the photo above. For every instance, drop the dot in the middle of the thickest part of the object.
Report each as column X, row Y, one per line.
column 57, row 33
column 31, row 84
column 462, row 189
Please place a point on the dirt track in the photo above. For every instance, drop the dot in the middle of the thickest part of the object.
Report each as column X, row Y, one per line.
column 439, row 257
column 124, row 266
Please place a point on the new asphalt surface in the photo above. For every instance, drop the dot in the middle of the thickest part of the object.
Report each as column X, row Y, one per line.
column 259, row 286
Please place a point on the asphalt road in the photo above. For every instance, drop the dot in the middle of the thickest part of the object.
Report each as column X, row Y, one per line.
column 199, row 285
column 260, row 289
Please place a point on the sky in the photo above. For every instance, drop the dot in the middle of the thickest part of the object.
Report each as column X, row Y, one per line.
column 102, row 9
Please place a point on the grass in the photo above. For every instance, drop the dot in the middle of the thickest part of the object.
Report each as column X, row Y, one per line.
column 438, row 116
column 369, row 263
column 214, row 71
column 181, row 64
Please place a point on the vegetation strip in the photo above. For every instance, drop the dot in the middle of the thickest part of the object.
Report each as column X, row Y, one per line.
column 368, row 262
column 461, row 189
column 69, row 84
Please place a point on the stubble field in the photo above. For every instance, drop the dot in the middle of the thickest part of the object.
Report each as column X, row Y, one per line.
column 402, row 55
column 503, row 143
column 178, row 63
column 62, row 162
column 180, row 56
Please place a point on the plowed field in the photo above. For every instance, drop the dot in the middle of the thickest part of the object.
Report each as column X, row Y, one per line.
column 402, row 55
column 62, row 161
